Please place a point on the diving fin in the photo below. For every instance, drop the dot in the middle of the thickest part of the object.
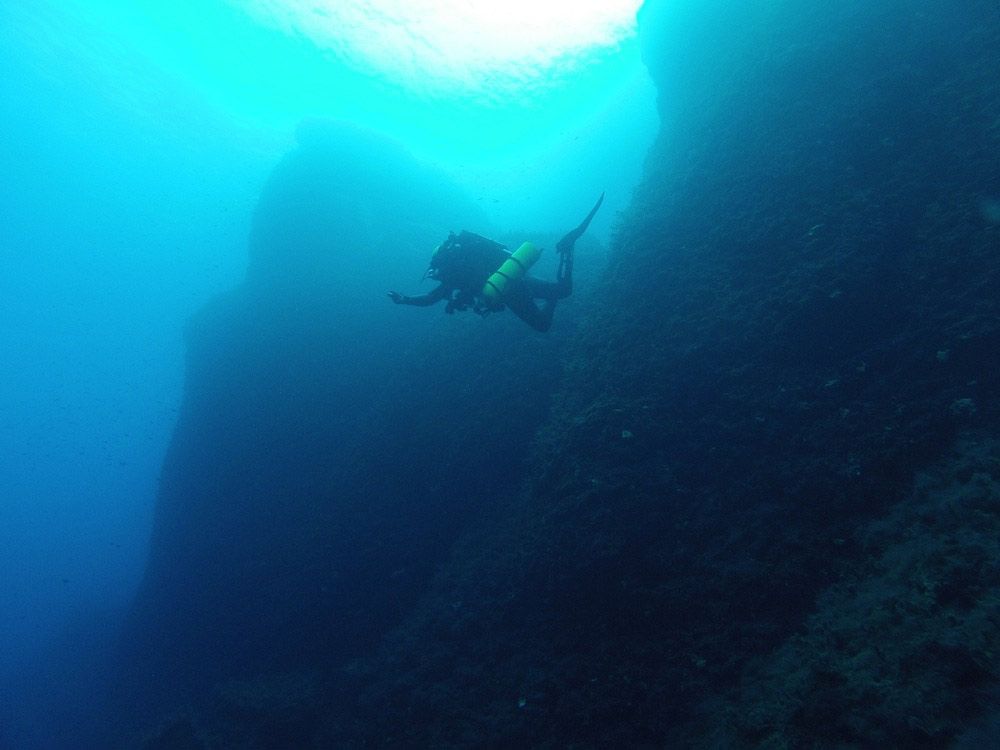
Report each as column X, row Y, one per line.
column 566, row 243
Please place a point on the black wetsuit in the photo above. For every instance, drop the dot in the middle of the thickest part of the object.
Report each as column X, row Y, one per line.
column 462, row 281
column 519, row 296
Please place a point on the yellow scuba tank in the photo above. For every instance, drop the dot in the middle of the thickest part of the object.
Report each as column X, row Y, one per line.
column 512, row 269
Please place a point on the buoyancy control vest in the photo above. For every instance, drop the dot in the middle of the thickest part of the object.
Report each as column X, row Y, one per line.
column 466, row 260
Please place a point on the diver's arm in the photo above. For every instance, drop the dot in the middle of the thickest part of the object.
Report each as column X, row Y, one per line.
column 421, row 300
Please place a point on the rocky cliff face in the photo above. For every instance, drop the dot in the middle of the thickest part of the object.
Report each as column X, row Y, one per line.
column 801, row 316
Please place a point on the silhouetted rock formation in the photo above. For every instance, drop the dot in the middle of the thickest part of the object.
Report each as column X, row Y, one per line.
column 329, row 447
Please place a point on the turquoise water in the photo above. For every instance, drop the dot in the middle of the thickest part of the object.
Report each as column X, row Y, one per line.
column 136, row 140
column 501, row 106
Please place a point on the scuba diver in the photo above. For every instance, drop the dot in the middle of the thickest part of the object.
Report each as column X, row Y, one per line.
column 477, row 272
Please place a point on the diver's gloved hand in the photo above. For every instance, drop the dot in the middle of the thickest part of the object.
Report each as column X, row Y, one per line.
column 397, row 297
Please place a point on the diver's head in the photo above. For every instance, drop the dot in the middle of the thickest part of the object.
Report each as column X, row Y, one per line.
column 439, row 258
column 434, row 268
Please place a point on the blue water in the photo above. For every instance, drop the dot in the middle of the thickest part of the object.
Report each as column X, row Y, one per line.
column 740, row 488
column 136, row 141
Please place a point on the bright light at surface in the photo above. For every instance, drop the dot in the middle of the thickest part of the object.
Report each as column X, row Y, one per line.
column 483, row 48
column 528, row 104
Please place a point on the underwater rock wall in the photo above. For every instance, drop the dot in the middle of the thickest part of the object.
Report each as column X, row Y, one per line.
column 801, row 315
column 899, row 651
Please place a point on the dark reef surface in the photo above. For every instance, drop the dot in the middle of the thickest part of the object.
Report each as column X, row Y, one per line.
column 756, row 491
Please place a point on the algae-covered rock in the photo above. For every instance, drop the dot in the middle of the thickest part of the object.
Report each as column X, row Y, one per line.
column 901, row 651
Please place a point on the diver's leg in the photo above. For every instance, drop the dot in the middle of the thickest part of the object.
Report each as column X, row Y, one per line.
column 524, row 307
column 564, row 276
column 538, row 289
